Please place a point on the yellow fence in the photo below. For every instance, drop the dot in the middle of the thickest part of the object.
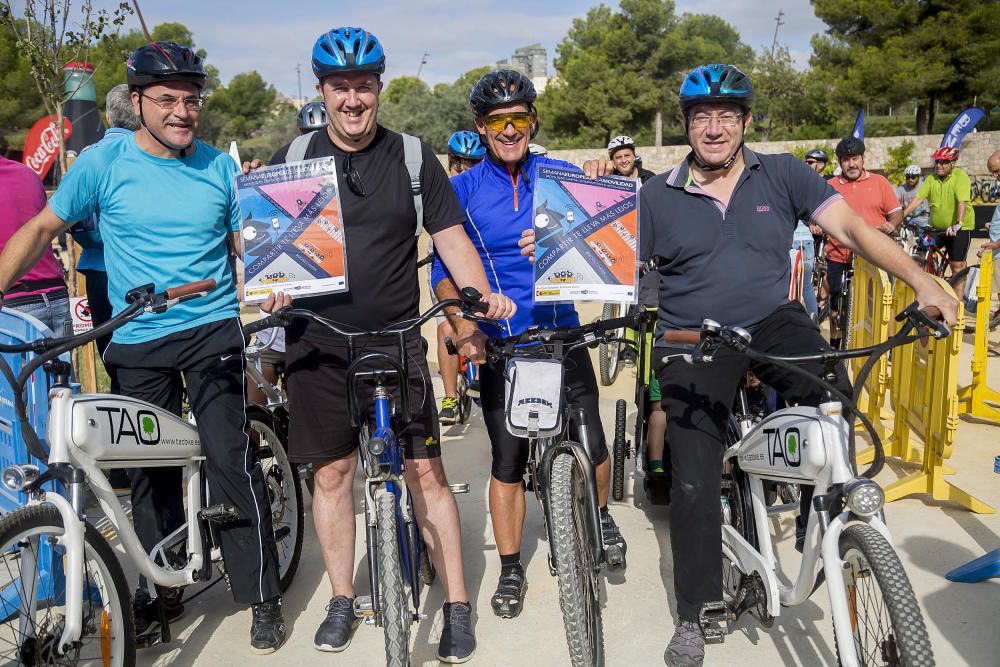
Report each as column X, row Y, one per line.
column 978, row 399
column 871, row 313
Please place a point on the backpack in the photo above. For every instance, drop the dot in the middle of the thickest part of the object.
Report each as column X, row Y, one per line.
column 413, row 158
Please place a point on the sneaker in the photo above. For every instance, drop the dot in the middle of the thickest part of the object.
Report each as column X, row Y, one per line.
column 147, row 610
column 334, row 633
column 473, row 390
column 267, row 630
column 509, row 597
column 614, row 544
column 448, row 414
column 458, row 642
column 687, row 646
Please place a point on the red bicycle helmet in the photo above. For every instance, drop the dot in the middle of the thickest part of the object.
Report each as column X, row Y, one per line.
column 945, row 153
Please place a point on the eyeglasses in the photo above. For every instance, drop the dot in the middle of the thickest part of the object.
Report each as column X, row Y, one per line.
column 943, row 161
column 811, row 162
column 169, row 102
column 352, row 177
column 703, row 120
column 498, row 123
column 912, row 177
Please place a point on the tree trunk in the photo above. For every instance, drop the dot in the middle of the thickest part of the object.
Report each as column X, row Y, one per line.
column 921, row 118
column 658, row 128
column 931, row 113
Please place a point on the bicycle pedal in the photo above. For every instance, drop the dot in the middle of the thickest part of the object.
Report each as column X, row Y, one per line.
column 459, row 488
column 282, row 533
column 714, row 621
column 614, row 556
column 220, row 514
column 364, row 608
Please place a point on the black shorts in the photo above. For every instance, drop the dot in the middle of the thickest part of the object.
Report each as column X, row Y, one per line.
column 957, row 246
column 321, row 427
column 510, row 453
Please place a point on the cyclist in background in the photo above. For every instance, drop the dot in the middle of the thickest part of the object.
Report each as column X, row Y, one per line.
column 949, row 193
column 465, row 151
column 621, row 151
column 993, row 245
column 312, row 116
column 804, row 238
column 496, row 198
column 873, row 198
column 907, row 192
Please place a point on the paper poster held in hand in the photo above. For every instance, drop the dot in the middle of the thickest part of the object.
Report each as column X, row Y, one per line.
column 586, row 237
column 292, row 231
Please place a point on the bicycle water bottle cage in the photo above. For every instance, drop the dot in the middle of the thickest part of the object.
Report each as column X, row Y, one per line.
column 533, row 396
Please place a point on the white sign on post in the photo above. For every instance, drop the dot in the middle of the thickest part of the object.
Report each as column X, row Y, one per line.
column 82, row 319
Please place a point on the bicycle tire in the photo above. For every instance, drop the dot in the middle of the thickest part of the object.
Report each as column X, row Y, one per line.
column 21, row 529
column 618, row 453
column 284, row 491
column 464, row 400
column 575, row 570
column 869, row 558
column 846, row 330
column 392, row 596
column 609, row 354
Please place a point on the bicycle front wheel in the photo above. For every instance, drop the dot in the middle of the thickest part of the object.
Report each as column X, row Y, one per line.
column 609, row 354
column 283, row 491
column 885, row 618
column 579, row 597
column 396, row 616
column 33, row 598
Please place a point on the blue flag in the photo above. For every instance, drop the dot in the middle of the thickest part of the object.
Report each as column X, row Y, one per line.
column 859, row 126
column 961, row 126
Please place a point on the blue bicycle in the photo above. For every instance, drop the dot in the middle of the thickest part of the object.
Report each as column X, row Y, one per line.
column 398, row 561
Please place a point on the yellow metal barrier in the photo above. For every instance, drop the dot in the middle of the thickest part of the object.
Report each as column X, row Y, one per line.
column 978, row 399
column 871, row 312
column 925, row 398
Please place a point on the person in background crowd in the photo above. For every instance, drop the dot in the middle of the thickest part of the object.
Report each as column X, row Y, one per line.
column 621, row 151
column 907, row 192
column 993, row 166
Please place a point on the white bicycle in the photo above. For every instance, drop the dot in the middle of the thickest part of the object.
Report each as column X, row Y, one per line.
column 64, row 599
column 876, row 618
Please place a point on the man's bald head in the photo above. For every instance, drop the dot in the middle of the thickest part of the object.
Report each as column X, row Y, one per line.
column 993, row 164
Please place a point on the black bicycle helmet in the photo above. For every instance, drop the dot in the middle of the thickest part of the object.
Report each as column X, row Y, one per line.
column 850, row 146
column 818, row 154
column 501, row 86
column 164, row 61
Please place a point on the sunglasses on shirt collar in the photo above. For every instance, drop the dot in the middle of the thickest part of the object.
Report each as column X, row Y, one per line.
column 352, row 177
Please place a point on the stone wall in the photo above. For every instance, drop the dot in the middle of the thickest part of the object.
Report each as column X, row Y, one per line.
column 976, row 148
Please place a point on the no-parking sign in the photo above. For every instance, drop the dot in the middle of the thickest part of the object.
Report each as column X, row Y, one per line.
column 82, row 319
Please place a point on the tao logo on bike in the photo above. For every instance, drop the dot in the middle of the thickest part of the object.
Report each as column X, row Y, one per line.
column 143, row 427
column 787, row 446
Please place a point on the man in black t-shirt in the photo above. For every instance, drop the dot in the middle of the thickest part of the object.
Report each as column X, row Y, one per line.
column 379, row 217
column 621, row 151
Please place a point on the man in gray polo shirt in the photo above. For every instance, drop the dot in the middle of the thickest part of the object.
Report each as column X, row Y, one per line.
column 719, row 227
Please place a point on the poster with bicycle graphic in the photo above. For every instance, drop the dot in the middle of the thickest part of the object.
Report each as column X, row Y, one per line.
column 586, row 237
column 292, row 232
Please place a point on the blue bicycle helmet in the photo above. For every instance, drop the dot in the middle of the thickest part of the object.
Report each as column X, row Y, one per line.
column 466, row 145
column 347, row 50
column 715, row 83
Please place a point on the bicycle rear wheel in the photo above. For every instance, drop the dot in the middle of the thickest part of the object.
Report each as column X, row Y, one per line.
column 283, row 490
column 396, row 617
column 609, row 354
column 885, row 618
column 579, row 596
column 618, row 453
column 33, row 597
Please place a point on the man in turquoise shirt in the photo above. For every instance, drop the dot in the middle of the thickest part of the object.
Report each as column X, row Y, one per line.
column 168, row 216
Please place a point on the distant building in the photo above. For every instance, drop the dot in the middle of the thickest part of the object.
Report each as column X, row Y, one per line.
column 531, row 59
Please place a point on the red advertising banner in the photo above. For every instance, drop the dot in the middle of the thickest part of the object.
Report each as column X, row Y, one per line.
column 42, row 145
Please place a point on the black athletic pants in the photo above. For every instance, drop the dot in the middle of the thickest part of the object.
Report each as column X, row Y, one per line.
column 100, row 312
column 698, row 401
column 209, row 360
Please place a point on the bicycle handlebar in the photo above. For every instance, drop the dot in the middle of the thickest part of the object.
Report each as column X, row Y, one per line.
column 560, row 341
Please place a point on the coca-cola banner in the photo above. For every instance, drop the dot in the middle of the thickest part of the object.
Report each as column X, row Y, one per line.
column 42, row 145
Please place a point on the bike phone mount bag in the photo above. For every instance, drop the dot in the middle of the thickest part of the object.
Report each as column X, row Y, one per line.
column 533, row 394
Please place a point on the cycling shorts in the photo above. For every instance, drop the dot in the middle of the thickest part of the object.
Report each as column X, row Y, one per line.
column 957, row 246
column 321, row 428
column 510, row 453
column 835, row 279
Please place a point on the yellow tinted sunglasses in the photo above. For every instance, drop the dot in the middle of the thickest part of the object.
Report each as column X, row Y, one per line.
column 498, row 123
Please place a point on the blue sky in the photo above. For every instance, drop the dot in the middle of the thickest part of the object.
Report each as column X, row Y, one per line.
column 272, row 37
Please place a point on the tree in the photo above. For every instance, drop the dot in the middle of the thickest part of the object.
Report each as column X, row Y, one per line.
column 20, row 102
column 239, row 109
column 53, row 34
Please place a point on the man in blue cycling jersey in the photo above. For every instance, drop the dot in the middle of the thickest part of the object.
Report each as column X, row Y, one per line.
column 168, row 216
column 718, row 227
column 496, row 196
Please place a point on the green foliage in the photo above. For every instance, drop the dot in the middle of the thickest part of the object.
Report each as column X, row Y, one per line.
column 20, row 102
column 239, row 109
column 278, row 129
column 899, row 158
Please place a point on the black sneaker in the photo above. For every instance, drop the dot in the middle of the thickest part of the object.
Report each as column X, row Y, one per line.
column 458, row 642
column 687, row 646
column 147, row 610
column 267, row 630
column 334, row 633
column 509, row 597
column 614, row 544
column 448, row 414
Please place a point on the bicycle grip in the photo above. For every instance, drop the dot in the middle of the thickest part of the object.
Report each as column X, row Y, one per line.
column 472, row 300
column 197, row 286
column 449, row 345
